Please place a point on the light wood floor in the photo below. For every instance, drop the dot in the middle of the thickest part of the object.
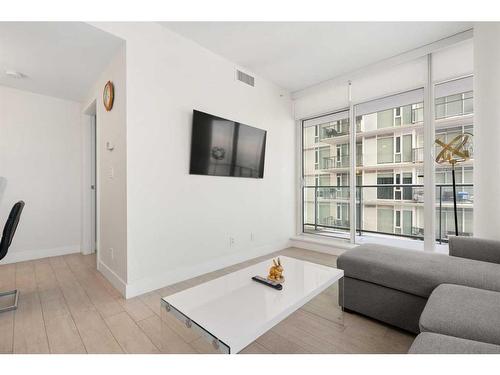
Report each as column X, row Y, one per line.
column 66, row 306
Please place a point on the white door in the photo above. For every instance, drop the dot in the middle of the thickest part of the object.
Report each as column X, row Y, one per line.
column 93, row 187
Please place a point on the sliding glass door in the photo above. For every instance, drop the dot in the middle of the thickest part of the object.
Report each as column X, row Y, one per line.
column 326, row 171
column 389, row 174
column 454, row 118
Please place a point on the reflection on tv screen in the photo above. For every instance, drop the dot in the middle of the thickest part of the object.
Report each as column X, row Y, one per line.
column 221, row 147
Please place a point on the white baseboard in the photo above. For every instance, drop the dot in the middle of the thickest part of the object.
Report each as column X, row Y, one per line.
column 327, row 246
column 86, row 251
column 112, row 277
column 149, row 284
column 21, row 256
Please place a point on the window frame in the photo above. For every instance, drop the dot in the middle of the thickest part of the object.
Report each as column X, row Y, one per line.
column 417, row 116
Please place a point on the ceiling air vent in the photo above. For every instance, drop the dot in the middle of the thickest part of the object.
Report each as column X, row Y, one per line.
column 245, row 78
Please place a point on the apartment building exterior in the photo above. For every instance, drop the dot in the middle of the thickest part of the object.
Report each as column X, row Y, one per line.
column 389, row 151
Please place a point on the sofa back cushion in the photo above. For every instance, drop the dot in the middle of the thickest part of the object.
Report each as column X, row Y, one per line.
column 416, row 272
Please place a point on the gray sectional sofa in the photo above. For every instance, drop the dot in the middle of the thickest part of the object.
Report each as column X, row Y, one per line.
column 451, row 301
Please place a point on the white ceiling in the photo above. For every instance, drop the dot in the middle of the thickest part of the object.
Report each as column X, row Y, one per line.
column 296, row 55
column 61, row 59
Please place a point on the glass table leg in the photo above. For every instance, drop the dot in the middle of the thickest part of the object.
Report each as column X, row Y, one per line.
column 217, row 344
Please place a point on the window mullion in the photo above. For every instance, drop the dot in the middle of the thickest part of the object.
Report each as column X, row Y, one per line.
column 352, row 167
column 429, row 169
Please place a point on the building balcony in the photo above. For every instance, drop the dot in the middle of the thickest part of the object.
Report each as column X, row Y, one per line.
column 368, row 162
column 336, row 164
column 334, row 131
column 342, row 162
column 418, row 155
column 340, row 138
column 326, row 209
column 333, row 193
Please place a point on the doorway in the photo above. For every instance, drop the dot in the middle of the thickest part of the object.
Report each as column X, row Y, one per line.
column 93, row 183
column 90, row 184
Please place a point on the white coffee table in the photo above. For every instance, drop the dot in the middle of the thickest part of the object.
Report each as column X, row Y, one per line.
column 233, row 310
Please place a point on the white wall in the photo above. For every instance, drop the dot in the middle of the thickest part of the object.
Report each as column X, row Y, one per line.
column 40, row 163
column 179, row 224
column 111, row 171
column 486, row 130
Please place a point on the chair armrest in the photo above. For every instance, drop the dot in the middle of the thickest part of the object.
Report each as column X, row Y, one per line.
column 475, row 248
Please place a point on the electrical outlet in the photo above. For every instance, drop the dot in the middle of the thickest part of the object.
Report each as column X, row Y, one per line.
column 231, row 241
column 111, row 253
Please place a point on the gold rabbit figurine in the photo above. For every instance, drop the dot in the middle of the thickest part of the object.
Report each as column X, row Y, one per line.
column 276, row 272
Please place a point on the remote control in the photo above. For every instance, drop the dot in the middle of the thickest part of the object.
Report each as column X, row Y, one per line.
column 270, row 283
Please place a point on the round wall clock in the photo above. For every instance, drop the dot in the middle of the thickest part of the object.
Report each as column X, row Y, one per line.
column 108, row 95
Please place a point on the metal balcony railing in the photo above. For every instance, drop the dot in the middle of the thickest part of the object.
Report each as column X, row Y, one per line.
column 417, row 155
column 333, row 193
column 404, row 195
column 334, row 131
column 335, row 222
column 333, row 162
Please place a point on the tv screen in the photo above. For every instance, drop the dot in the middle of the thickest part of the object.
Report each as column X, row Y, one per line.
column 221, row 147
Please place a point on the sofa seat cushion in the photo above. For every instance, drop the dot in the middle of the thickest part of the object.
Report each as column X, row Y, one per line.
column 464, row 312
column 416, row 272
column 434, row 343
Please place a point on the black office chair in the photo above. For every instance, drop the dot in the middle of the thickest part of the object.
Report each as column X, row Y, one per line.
column 7, row 236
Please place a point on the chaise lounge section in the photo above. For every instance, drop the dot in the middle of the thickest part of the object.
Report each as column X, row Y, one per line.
column 464, row 312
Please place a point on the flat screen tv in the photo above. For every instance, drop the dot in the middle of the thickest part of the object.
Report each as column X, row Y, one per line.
column 221, row 147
